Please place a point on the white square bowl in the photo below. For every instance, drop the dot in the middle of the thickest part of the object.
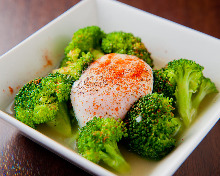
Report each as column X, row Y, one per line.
column 42, row 51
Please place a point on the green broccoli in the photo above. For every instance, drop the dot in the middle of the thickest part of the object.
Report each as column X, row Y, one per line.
column 152, row 127
column 75, row 68
column 86, row 39
column 97, row 142
column 206, row 87
column 125, row 43
column 187, row 75
column 71, row 57
column 83, row 49
column 97, row 53
column 44, row 100
column 162, row 85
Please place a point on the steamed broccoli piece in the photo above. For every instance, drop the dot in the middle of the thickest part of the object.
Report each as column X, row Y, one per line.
column 86, row 39
column 71, row 57
column 44, row 100
column 75, row 68
column 152, row 127
column 187, row 75
column 97, row 53
column 98, row 140
column 206, row 87
column 125, row 43
column 162, row 85
column 76, row 54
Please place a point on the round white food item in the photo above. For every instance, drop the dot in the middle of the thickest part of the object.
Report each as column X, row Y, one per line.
column 110, row 86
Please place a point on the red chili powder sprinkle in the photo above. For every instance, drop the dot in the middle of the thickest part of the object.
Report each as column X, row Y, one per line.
column 115, row 73
column 48, row 61
column 18, row 87
column 11, row 90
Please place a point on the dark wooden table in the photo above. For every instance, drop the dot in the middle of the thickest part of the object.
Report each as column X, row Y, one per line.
column 21, row 18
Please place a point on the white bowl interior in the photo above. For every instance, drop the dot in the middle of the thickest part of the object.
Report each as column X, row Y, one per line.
column 42, row 51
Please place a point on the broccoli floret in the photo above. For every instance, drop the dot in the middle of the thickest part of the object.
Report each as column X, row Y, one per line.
column 71, row 57
column 125, row 43
column 76, row 54
column 86, row 39
column 162, row 85
column 152, row 127
column 44, row 100
column 206, row 87
column 187, row 75
column 97, row 142
column 76, row 68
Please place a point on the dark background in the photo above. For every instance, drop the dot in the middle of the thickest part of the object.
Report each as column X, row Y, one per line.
column 21, row 18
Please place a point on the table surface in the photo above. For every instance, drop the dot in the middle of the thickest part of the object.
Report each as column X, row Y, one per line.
column 21, row 18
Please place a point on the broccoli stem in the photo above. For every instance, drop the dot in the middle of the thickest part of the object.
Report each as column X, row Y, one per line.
column 97, row 53
column 184, row 96
column 62, row 123
column 179, row 128
column 113, row 158
column 206, row 87
column 196, row 102
column 188, row 101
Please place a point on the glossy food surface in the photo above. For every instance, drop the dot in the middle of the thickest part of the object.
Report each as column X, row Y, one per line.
column 19, row 19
